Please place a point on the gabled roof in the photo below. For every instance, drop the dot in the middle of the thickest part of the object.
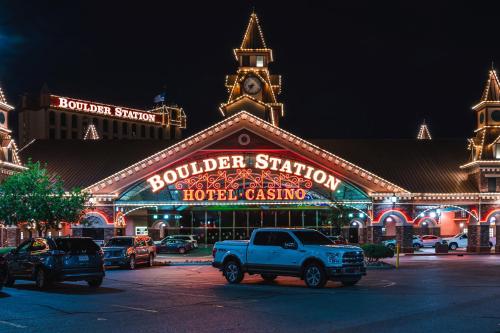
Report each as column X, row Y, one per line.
column 115, row 183
column 253, row 38
column 491, row 91
column 81, row 163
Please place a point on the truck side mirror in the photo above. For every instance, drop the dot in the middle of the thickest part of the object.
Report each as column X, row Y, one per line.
column 290, row 246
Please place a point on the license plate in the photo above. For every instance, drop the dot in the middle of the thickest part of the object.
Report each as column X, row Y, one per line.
column 83, row 258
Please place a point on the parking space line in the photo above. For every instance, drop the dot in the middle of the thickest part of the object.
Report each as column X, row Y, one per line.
column 12, row 324
column 133, row 308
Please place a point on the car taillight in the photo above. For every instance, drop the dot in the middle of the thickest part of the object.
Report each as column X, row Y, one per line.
column 214, row 250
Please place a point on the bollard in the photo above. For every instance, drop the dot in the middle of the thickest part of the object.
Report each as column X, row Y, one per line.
column 397, row 255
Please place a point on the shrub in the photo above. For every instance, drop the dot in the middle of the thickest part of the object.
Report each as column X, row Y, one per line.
column 374, row 252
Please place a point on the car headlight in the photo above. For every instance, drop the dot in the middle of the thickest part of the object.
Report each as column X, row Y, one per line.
column 334, row 258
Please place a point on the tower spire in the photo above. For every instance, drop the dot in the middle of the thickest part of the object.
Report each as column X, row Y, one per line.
column 491, row 91
column 423, row 132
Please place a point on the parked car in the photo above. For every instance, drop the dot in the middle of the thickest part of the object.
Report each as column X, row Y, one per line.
column 174, row 245
column 45, row 260
column 338, row 240
column 431, row 240
column 457, row 241
column 417, row 243
column 129, row 251
column 190, row 238
column 304, row 253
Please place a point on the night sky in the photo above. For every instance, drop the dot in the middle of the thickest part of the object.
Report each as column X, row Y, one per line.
column 350, row 69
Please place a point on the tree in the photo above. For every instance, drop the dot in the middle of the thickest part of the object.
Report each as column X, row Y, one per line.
column 36, row 197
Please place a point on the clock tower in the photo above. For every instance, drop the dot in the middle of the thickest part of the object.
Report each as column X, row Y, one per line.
column 253, row 88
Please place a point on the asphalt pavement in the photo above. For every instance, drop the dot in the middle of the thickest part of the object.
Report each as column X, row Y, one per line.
column 426, row 294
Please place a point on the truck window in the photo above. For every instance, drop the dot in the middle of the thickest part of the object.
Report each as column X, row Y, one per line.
column 312, row 237
column 279, row 238
column 261, row 238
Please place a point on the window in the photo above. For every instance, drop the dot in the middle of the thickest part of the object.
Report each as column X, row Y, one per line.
column 492, row 184
column 10, row 158
column 312, row 238
column 143, row 131
column 52, row 133
column 115, row 126
column 496, row 151
column 245, row 61
column 260, row 61
column 141, row 231
column 52, row 118
column 74, row 121
column 491, row 232
column 261, row 238
column 63, row 119
column 105, row 125
column 280, row 238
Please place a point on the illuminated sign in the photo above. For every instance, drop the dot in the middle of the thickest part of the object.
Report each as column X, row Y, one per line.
column 102, row 109
column 237, row 177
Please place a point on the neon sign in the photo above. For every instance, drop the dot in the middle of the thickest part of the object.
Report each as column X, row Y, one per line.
column 237, row 177
column 101, row 109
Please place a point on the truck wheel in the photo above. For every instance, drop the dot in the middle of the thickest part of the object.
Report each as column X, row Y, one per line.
column 453, row 246
column 349, row 282
column 315, row 276
column 269, row 277
column 232, row 272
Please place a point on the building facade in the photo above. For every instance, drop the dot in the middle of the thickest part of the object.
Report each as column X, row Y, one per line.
column 246, row 172
column 54, row 117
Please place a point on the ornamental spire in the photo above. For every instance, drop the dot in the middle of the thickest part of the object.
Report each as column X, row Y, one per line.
column 91, row 133
column 2, row 97
column 253, row 38
column 423, row 132
column 492, row 89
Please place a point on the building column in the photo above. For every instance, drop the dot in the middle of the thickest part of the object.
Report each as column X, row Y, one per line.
column 484, row 238
column 374, row 234
column 497, row 246
column 404, row 237
column 472, row 237
column 362, row 234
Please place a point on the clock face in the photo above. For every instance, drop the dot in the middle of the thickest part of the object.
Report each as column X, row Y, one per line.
column 252, row 85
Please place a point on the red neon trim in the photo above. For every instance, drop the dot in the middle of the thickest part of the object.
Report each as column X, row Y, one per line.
column 98, row 212
column 488, row 214
column 397, row 210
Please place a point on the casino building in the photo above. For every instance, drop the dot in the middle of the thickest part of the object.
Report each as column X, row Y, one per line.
column 246, row 172
column 46, row 116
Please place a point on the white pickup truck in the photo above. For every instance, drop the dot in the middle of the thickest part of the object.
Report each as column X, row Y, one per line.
column 304, row 253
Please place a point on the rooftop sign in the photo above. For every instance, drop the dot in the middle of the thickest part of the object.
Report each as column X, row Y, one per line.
column 92, row 108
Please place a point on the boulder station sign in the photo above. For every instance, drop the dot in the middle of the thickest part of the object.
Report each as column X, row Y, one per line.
column 102, row 109
column 243, row 177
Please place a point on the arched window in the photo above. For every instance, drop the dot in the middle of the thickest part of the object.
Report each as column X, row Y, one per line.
column 143, row 131
column 160, row 133
column 74, row 121
column 134, row 129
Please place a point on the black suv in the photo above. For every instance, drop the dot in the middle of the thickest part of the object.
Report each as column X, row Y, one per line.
column 45, row 260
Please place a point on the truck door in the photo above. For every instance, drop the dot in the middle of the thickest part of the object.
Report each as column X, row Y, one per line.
column 259, row 251
column 284, row 253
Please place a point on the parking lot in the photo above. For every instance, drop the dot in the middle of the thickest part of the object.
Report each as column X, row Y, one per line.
column 451, row 294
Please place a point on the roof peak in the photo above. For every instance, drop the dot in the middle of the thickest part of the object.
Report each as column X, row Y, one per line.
column 253, row 38
column 423, row 132
column 491, row 91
